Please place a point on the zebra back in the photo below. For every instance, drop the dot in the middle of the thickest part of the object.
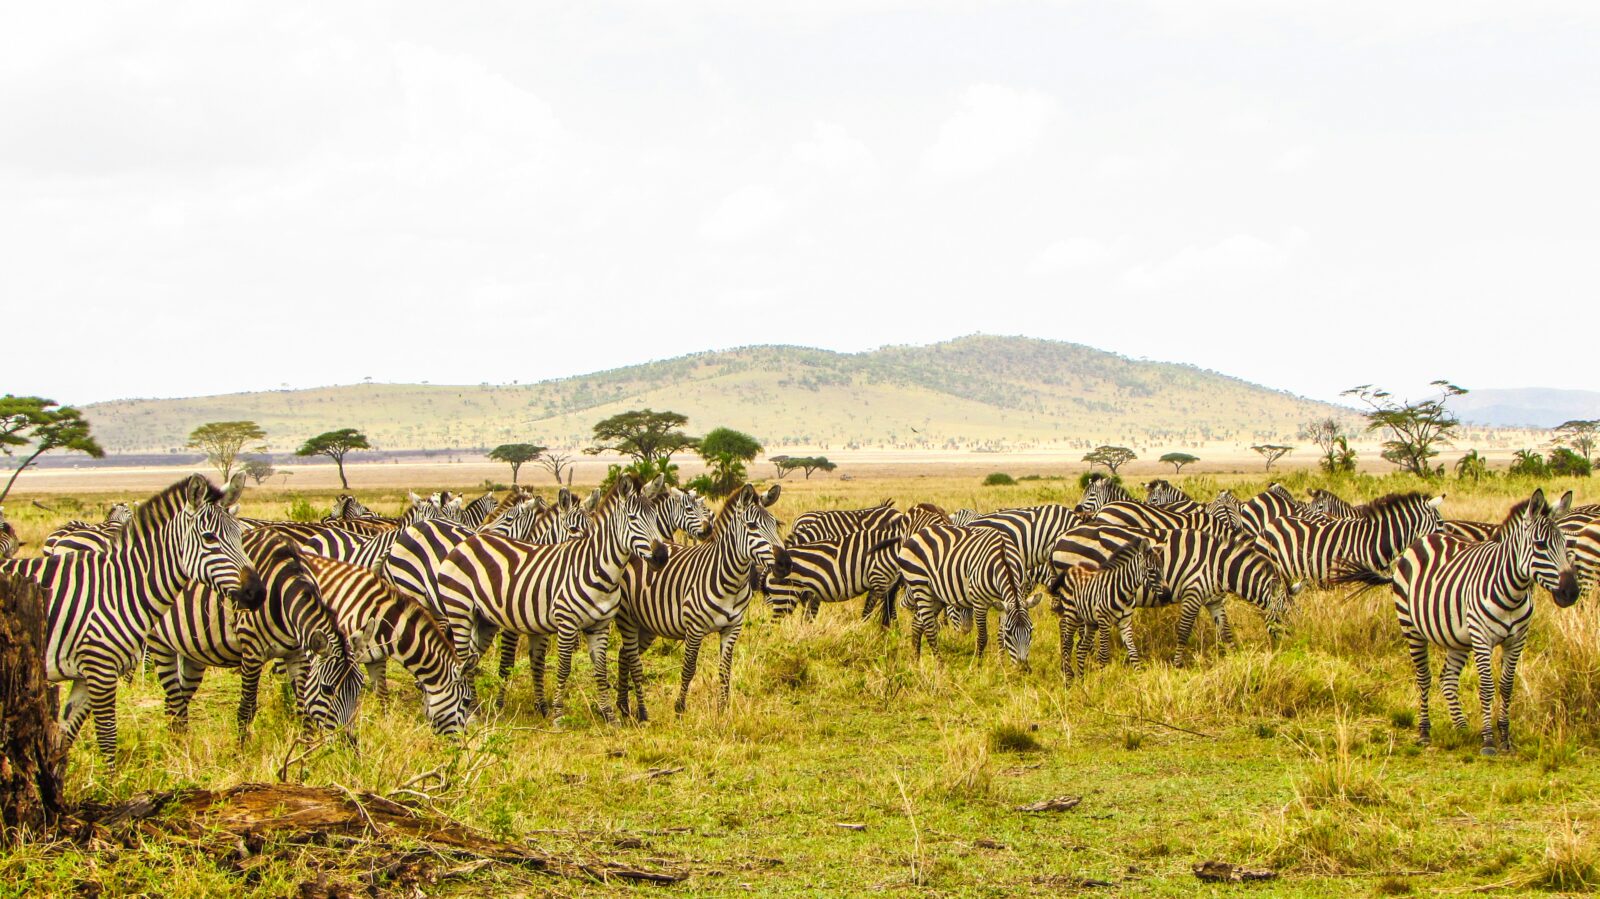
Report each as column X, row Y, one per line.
column 1034, row 529
column 835, row 570
column 1155, row 520
column 1319, row 550
column 831, row 524
column 1274, row 502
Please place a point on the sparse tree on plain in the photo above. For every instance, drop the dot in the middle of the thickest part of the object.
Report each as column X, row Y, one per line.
column 46, row 426
column 778, row 463
column 1178, row 460
column 1581, row 435
column 1415, row 430
column 335, row 445
column 807, row 464
column 555, row 463
column 643, row 434
column 258, row 469
column 1272, row 452
column 224, row 441
column 725, row 451
column 516, row 455
column 1112, row 457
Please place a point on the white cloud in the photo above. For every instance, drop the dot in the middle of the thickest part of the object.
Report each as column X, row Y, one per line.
column 831, row 148
column 743, row 214
column 1070, row 253
column 1239, row 259
column 994, row 124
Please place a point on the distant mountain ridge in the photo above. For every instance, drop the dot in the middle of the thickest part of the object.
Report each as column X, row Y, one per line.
column 1526, row 407
column 978, row 392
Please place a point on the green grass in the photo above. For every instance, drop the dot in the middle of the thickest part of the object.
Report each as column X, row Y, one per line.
column 1300, row 759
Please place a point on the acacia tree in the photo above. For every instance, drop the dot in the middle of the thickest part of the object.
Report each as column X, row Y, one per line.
column 516, row 455
column 1415, row 431
column 808, row 464
column 1178, row 460
column 223, row 441
column 725, row 451
column 778, row 462
column 335, row 445
column 258, row 469
column 1112, row 457
column 46, row 426
column 1333, row 441
column 1272, row 452
column 555, row 463
column 643, row 434
column 1581, row 435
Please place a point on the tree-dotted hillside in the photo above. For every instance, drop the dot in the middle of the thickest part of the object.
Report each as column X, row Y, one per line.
column 973, row 393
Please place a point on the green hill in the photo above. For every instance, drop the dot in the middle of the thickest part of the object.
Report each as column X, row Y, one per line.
column 971, row 393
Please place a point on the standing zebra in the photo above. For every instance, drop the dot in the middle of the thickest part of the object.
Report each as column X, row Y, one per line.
column 1161, row 492
column 1318, row 550
column 831, row 524
column 686, row 511
column 398, row 627
column 835, row 571
column 1102, row 598
column 370, row 551
column 292, row 623
column 699, row 591
column 943, row 566
column 475, row 513
column 1034, row 529
column 1468, row 598
column 1330, row 505
column 490, row 583
column 103, row 604
column 1157, row 520
column 1272, row 503
column 1197, row 569
column 9, row 544
column 1098, row 492
column 77, row 536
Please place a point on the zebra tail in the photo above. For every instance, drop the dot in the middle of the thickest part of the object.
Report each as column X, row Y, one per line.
column 1351, row 573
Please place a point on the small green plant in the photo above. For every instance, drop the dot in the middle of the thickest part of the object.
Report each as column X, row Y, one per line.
column 1132, row 739
column 1011, row 738
column 300, row 509
column 1405, row 719
column 999, row 479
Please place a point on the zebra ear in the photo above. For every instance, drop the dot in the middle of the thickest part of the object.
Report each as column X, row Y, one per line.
column 565, row 499
column 656, row 487
column 412, row 496
column 1438, row 501
column 1563, row 505
column 230, row 496
column 196, row 492
column 592, row 501
column 771, row 496
column 364, row 638
column 317, row 644
column 1033, row 600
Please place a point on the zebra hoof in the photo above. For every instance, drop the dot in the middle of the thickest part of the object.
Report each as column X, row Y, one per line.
column 1490, row 751
column 642, row 716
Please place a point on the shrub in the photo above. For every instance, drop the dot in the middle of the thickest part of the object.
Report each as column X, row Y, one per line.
column 1011, row 738
column 999, row 479
column 300, row 509
column 1530, row 464
column 1566, row 463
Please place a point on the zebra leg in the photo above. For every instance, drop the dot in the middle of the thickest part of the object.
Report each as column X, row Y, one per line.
column 598, row 639
column 1418, row 647
column 249, row 692
column 641, row 642
column 869, row 605
column 538, row 645
column 1187, row 617
column 74, row 713
column 980, row 618
column 813, row 604
column 1087, row 638
column 1450, row 683
column 1483, row 656
column 508, row 653
column 103, row 702
column 566, row 646
column 172, row 686
column 1125, row 626
column 378, row 678
column 624, row 669
column 1219, row 617
column 691, row 658
column 1509, row 657
column 1102, row 643
column 1068, row 626
column 729, row 637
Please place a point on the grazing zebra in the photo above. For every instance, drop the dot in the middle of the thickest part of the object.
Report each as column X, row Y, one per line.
column 683, row 510
column 1272, row 503
column 401, row 629
column 1160, row 492
column 699, row 591
column 9, row 544
column 1098, row 492
column 490, row 583
column 78, row 536
column 1330, row 505
column 836, row 571
column 831, row 524
column 1197, row 569
column 970, row 568
column 1474, row 531
column 103, row 604
column 1156, row 520
column 1468, row 598
column 293, row 623
column 1102, row 598
column 370, row 551
column 1034, row 529
column 1317, row 550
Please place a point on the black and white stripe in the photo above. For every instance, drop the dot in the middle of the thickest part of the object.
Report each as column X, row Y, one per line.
column 1101, row 599
column 831, row 524
column 1100, row 491
column 1316, row 551
column 1272, row 503
column 1156, row 520
column 836, row 571
column 976, row 569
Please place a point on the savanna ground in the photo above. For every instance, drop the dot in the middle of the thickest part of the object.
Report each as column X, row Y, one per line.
column 1300, row 758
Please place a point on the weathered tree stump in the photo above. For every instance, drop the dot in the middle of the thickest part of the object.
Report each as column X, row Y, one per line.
column 30, row 758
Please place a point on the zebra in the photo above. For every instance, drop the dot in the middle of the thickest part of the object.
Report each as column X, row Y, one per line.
column 1197, row 569
column 1160, row 492
column 398, row 627
column 831, row 524
column 1473, row 531
column 293, row 623
column 475, row 513
column 963, row 517
column 1583, row 541
column 370, row 551
column 683, row 510
column 1156, row 520
column 490, row 583
column 77, row 536
column 1034, row 529
column 972, row 568
column 1274, row 502
column 1467, row 598
column 1328, row 504
column 699, row 591
column 1226, row 508
column 9, row 542
column 1316, row 550
column 1102, row 597
column 1099, row 491
column 103, row 604
column 836, row 571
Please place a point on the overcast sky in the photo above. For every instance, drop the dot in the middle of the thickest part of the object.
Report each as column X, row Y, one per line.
column 213, row 197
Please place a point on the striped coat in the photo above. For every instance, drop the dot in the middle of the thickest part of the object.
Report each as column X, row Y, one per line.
column 1154, row 520
column 975, row 569
column 836, row 571
column 1272, row 503
column 1102, row 599
column 1316, row 551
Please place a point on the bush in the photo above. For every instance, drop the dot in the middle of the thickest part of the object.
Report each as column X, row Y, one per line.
column 999, row 479
column 1011, row 738
column 1530, row 464
column 1083, row 479
column 1566, row 463
column 300, row 509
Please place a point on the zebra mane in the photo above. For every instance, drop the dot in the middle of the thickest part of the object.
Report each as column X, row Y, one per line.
column 1519, row 509
column 1388, row 501
column 1125, row 553
column 934, row 508
column 154, row 514
column 614, row 493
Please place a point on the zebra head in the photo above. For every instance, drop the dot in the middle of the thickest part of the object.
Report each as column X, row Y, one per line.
column 1160, row 492
column 1542, row 543
column 118, row 514
column 1099, row 491
column 334, row 679
column 8, row 537
column 449, row 709
column 209, row 549
column 626, row 516
column 1263, row 585
column 1016, row 620
column 748, row 521
column 684, row 510
column 1225, row 509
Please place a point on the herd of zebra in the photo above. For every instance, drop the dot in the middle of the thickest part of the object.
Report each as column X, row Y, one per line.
column 186, row 582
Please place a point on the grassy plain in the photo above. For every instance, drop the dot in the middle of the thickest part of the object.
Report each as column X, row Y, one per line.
column 1298, row 758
